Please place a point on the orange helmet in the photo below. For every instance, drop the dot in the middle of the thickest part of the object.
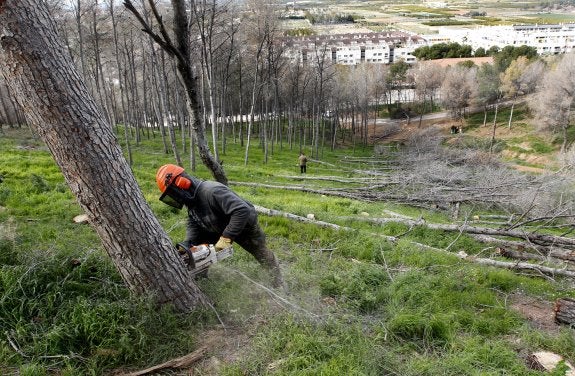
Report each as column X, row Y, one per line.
column 167, row 174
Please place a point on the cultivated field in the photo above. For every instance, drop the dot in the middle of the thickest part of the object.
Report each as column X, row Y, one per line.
column 426, row 17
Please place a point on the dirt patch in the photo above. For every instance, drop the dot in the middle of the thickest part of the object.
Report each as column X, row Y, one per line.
column 224, row 347
column 538, row 312
column 402, row 130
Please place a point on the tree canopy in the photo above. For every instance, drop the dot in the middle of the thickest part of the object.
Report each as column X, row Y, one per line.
column 443, row 51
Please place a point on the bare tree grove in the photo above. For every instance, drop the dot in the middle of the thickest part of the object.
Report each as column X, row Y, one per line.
column 204, row 73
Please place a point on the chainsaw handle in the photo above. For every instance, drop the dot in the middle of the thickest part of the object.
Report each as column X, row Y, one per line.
column 182, row 247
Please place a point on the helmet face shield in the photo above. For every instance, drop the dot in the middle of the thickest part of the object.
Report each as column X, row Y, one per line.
column 172, row 197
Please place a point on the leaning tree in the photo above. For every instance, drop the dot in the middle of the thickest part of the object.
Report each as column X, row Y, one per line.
column 177, row 46
column 39, row 71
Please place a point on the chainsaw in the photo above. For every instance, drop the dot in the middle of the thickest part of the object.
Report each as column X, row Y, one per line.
column 200, row 257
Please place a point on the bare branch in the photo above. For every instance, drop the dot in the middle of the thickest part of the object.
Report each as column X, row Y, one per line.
column 164, row 43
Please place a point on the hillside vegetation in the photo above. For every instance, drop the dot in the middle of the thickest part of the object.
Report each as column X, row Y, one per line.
column 369, row 298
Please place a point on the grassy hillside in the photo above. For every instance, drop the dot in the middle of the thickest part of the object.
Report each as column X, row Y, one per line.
column 357, row 303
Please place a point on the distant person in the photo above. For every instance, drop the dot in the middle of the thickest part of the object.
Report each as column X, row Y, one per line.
column 302, row 159
column 216, row 215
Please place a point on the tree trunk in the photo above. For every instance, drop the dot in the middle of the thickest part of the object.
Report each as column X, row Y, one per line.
column 565, row 137
column 103, row 97
column 493, row 128
column 169, row 115
column 125, row 120
column 511, row 114
column 158, row 98
column 252, row 109
column 78, row 16
column 180, row 50
column 565, row 311
column 57, row 103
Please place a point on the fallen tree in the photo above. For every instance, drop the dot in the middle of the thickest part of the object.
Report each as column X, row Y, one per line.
column 540, row 269
column 565, row 311
column 295, row 217
column 546, row 251
column 428, row 175
column 522, row 266
column 532, row 237
column 522, row 255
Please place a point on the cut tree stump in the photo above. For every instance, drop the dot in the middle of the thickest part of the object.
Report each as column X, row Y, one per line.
column 548, row 361
column 565, row 311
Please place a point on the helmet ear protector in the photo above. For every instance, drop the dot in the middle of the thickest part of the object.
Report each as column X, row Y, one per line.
column 182, row 182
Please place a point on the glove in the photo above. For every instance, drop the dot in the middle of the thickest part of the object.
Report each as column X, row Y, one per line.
column 223, row 243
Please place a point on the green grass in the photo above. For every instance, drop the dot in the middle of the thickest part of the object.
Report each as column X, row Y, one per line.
column 360, row 305
column 446, row 22
column 549, row 18
column 522, row 137
column 416, row 9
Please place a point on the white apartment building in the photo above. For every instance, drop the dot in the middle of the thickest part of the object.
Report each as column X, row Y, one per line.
column 390, row 47
column 547, row 39
column 352, row 49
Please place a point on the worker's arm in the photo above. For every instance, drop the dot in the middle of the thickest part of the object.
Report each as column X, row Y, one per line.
column 239, row 211
column 192, row 233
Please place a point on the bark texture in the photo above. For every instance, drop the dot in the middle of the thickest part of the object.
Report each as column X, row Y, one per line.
column 565, row 311
column 55, row 100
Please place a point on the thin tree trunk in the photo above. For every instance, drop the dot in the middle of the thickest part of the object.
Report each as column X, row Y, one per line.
column 169, row 116
column 252, row 109
column 122, row 83
column 511, row 113
column 492, row 141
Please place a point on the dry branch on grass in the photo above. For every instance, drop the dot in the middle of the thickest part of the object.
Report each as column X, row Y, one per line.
column 328, row 192
column 336, row 179
column 177, row 363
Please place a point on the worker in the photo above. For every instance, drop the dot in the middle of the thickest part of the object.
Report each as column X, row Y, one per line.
column 302, row 159
column 216, row 215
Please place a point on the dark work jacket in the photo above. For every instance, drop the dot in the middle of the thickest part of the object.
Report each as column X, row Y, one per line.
column 214, row 210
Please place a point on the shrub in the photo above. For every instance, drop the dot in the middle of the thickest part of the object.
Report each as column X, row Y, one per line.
column 38, row 184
